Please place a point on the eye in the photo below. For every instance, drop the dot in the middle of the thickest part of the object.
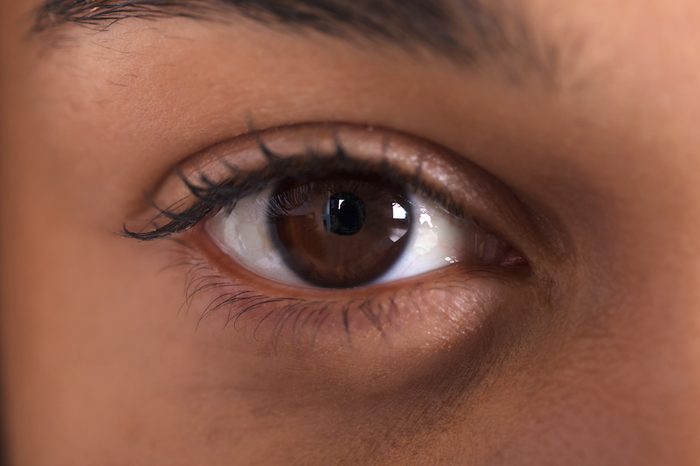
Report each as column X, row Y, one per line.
column 345, row 231
column 315, row 231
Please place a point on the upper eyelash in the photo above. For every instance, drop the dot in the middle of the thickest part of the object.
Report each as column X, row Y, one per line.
column 212, row 197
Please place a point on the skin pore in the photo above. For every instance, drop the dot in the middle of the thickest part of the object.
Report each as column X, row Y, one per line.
column 578, row 124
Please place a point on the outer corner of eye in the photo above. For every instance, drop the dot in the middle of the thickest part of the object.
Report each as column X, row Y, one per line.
column 348, row 231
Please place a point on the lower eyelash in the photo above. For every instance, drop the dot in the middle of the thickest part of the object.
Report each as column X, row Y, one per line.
column 237, row 300
column 301, row 320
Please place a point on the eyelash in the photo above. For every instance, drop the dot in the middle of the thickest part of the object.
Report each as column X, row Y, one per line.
column 237, row 299
column 213, row 197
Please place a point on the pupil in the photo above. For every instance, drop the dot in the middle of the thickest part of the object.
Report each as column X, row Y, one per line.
column 345, row 214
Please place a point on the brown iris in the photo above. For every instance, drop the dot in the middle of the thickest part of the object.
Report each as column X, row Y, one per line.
column 340, row 232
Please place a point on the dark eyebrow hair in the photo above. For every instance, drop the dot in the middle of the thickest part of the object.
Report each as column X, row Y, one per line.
column 462, row 30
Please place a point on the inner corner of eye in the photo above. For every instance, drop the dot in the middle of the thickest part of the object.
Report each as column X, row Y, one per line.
column 346, row 231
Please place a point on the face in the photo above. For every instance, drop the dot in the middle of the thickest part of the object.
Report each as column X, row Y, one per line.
column 248, row 239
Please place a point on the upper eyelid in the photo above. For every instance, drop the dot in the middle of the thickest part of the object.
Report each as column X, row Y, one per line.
column 485, row 198
column 211, row 196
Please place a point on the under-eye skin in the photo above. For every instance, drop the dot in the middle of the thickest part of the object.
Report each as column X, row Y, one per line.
column 319, row 230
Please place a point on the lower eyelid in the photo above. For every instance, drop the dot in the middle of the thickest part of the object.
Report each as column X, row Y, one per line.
column 227, row 273
column 203, row 249
column 409, row 324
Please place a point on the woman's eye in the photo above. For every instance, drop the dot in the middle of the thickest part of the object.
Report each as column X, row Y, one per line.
column 345, row 228
column 346, row 231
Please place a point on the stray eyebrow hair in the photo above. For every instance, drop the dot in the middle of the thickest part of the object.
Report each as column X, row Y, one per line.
column 461, row 30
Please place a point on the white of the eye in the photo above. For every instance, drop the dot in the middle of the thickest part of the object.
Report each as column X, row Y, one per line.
column 437, row 239
column 244, row 234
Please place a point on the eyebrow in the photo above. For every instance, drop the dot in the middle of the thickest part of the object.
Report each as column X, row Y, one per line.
column 462, row 30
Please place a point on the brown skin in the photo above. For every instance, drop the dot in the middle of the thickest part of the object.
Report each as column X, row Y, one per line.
column 594, row 361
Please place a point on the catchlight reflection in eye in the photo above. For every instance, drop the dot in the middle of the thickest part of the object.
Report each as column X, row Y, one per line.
column 347, row 231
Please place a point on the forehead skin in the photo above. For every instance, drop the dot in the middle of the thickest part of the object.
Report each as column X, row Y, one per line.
column 90, row 121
